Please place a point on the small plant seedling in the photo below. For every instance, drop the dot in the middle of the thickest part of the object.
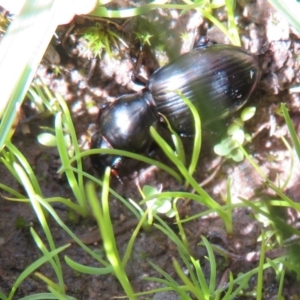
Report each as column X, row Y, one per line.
column 143, row 37
column 158, row 205
column 100, row 39
column 236, row 137
column 155, row 205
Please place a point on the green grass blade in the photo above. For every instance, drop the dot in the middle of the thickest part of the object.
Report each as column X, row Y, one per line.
column 229, row 224
column 201, row 284
column 291, row 128
column 49, row 282
column 199, row 294
column 242, row 280
column 260, row 274
column 115, row 194
column 35, row 265
column 130, row 245
column 170, row 233
column 290, row 9
column 69, row 124
column 55, row 293
column 130, row 155
column 57, row 268
column 143, row 9
column 102, row 216
column 230, row 288
column 43, row 296
column 291, row 167
column 281, row 284
column 188, row 264
column 71, row 234
column 169, row 281
column 30, row 33
column 206, row 199
column 180, row 227
column 66, row 163
column 87, row 270
column 11, row 191
column 198, row 133
column 2, row 296
column 213, row 266
column 232, row 27
column 176, row 141
column 26, row 166
column 35, row 202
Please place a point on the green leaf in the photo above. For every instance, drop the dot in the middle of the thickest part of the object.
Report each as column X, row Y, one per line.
column 225, row 147
column 149, row 190
column 237, row 155
column 47, row 139
column 164, row 205
column 232, row 128
column 239, row 136
column 248, row 113
column 171, row 213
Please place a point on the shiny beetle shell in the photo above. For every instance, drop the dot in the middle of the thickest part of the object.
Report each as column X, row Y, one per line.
column 218, row 80
column 124, row 125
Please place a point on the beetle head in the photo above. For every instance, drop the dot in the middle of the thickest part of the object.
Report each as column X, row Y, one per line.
column 101, row 161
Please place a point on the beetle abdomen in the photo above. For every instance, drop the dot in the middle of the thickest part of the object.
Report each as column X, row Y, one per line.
column 218, row 80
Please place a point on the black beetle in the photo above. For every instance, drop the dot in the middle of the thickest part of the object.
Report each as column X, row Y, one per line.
column 124, row 125
column 218, row 80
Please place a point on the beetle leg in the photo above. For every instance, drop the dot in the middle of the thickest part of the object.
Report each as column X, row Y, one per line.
column 138, row 76
column 117, row 163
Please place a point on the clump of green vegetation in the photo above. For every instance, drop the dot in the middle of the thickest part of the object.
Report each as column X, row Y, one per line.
column 236, row 137
column 21, row 223
column 146, row 30
column 4, row 22
column 99, row 38
column 144, row 37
